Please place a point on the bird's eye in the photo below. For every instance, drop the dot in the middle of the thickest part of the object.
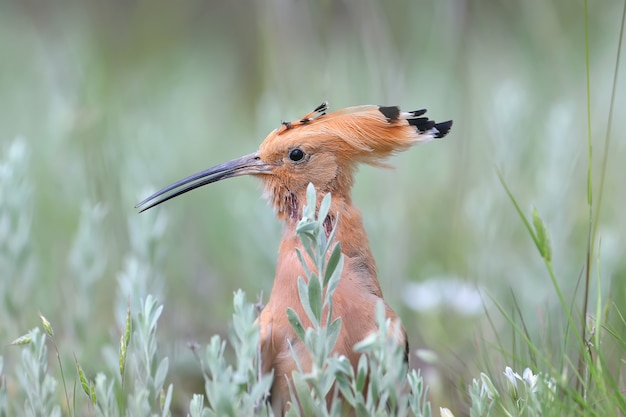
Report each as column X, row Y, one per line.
column 296, row 154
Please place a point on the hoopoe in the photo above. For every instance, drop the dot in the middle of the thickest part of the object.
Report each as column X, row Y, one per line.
column 323, row 149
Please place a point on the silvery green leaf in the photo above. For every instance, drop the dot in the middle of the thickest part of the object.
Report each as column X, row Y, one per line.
column 362, row 411
column 295, row 322
column 167, row 401
column 196, row 406
column 333, row 333
column 312, row 340
column 324, row 208
column 303, row 391
column 332, row 264
column 303, row 293
column 366, row 344
column 381, row 314
column 488, row 386
column 333, row 280
column 362, row 372
column 311, row 198
column 154, row 316
column 161, row 373
column 307, row 227
column 345, row 387
column 307, row 272
column 315, row 297
column 308, row 247
column 262, row 387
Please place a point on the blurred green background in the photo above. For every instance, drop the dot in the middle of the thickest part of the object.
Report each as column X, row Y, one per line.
column 103, row 101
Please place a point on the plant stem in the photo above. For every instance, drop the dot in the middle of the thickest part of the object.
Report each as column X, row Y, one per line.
column 590, row 232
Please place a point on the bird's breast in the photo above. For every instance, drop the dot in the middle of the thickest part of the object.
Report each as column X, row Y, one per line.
column 354, row 297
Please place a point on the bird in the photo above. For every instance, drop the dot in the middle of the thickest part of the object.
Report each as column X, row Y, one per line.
column 324, row 149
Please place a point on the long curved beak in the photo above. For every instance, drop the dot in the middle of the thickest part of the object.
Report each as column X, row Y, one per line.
column 246, row 165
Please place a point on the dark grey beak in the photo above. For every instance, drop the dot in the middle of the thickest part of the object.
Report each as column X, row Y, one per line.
column 246, row 165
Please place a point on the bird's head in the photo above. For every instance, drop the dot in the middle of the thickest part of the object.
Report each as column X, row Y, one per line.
column 323, row 149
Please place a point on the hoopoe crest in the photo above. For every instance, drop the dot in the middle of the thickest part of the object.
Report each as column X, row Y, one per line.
column 323, row 149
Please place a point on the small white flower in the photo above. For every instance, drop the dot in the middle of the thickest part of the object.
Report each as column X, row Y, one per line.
column 530, row 379
column 512, row 376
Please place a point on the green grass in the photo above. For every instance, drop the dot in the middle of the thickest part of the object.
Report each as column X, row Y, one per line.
column 101, row 103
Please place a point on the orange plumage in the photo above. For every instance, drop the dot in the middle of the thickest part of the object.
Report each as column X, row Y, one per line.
column 323, row 149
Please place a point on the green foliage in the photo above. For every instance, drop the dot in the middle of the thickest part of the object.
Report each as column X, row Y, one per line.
column 106, row 395
column 149, row 372
column 16, row 212
column 36, row 383
column 537, row 394
column 239, row 389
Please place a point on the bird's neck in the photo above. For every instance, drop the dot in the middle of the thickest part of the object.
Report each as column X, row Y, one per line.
column 359, row 261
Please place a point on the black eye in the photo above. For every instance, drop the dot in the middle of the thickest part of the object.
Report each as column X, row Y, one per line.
column 296, row 154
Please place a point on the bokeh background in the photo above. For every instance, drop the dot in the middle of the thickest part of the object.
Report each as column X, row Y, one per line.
column 102, row 102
